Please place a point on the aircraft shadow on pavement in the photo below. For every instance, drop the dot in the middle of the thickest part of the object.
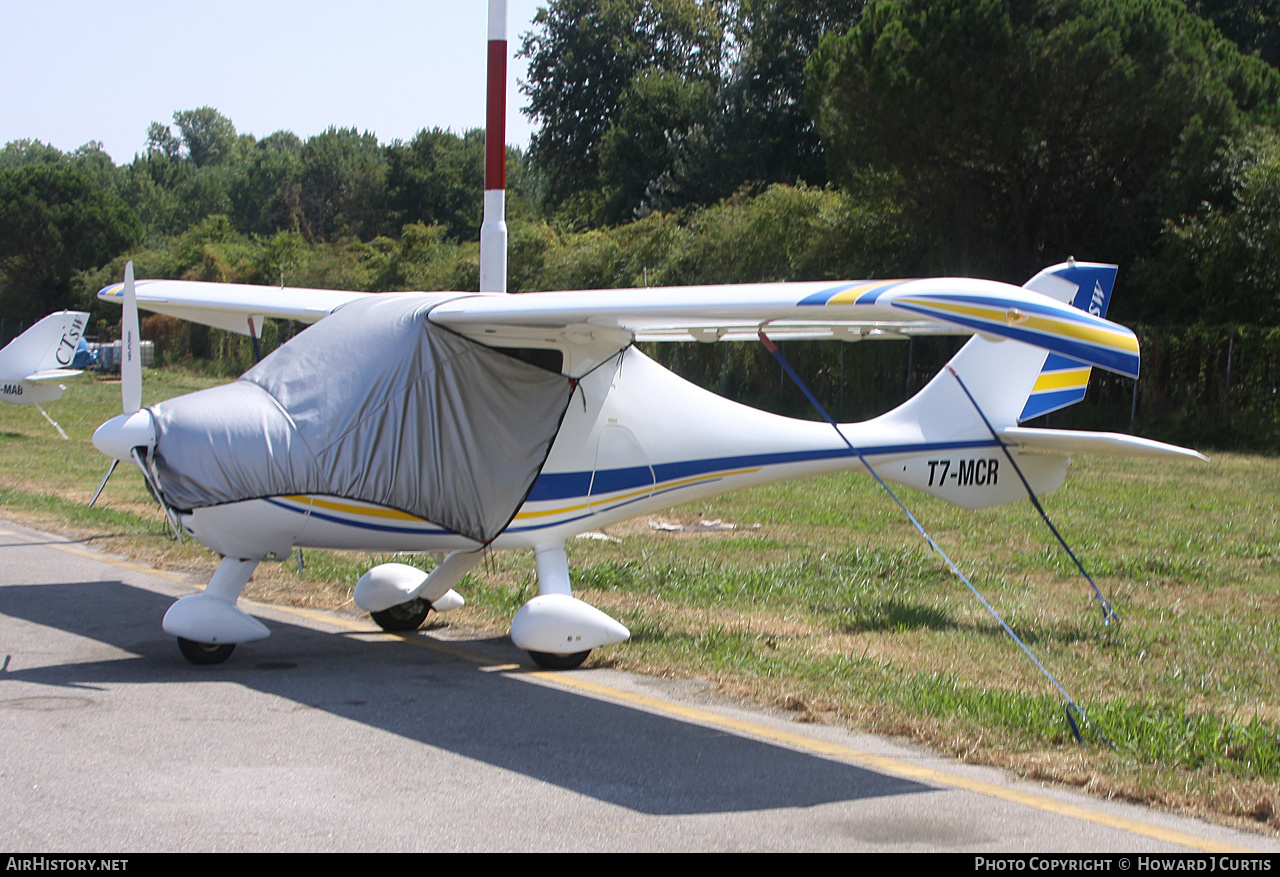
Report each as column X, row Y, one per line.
column 615, row 753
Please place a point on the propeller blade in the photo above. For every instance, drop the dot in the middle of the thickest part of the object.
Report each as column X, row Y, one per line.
column 97, row 493
column 130, row 352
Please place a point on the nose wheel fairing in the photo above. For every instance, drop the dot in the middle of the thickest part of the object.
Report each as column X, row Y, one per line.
column 207, row 621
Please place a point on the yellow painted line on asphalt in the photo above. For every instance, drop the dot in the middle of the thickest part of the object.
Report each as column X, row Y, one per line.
column 896, row 766
column 90, row 554
column 899, row 767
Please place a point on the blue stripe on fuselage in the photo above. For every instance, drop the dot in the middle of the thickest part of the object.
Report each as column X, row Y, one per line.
column 575, row 485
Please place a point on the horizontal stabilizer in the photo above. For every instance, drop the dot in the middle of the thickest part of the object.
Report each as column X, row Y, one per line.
column 53, row 374
column 1067, row 441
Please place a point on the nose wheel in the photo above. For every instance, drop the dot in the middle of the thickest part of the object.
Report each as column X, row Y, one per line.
column 404, row 617
column 552, row 661
column 204, row 654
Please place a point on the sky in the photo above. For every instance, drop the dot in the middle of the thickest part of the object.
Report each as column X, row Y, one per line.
column 73, row 71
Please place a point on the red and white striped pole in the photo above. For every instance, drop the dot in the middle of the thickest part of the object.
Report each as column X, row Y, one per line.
column 493, row 230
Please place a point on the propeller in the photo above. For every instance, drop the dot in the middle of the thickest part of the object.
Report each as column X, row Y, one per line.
column 131, row 435
column 130, row 352
column 105, row 437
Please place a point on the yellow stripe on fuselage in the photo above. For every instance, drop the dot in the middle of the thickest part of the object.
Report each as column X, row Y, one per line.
column 666, row 485
column 395, row 515
column 560, row 511
column 366, row 511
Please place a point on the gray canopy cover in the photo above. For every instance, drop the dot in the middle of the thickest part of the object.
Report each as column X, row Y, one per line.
column 373, row 403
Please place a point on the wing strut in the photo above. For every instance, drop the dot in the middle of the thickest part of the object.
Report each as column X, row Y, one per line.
column 1070, row 703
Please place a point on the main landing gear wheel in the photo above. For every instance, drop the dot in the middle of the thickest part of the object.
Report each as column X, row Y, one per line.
column 406, row 616
column 551, row 661
column 204, row 654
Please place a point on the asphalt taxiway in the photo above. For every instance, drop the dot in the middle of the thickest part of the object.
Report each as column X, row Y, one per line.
column 331, row 735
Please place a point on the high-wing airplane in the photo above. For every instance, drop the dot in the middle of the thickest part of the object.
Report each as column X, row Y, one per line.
column 461, row 422
column 32, row 364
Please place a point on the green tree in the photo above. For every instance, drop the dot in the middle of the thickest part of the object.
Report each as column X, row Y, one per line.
column 640, row 148
column 183, row 178
column 162, row 142
column 1225, row 255
column 627, row 127
column 758, row 131
column 92, row 160
column 1253, row 25
column 1018, row 132
column 437, row 179
column 343, row 184
column 765, row 98
column 20, row 153
column 424, row 258
column 584, row 55
column 266, row 193
column 149, row 185
column 54, row 223
column 209, row 136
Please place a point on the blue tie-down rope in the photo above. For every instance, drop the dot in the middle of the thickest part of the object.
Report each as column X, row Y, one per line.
column 1107, row 612
column 1069, row 702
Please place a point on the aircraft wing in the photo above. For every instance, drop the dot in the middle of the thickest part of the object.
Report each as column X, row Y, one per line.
column 231, row 306
column 849, row 311
column 603, row 320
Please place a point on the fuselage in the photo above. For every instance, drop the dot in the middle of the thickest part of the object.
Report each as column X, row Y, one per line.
column 636, row 439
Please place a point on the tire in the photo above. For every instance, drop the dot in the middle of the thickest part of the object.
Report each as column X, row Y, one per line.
column 204, row 654
column 550, row 661
column 405, row 617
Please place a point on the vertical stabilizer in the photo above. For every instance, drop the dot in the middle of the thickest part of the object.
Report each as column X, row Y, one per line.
column 1062, row 381
column 1004, row 379
column 32, row 364
column 49, row 344
column 1012, row 381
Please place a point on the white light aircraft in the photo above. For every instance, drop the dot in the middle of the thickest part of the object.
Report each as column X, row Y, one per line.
column 32, row 364
column 460, row 422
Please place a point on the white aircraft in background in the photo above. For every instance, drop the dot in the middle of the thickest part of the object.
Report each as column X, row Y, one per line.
column 32, row 364
column 460, row 422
